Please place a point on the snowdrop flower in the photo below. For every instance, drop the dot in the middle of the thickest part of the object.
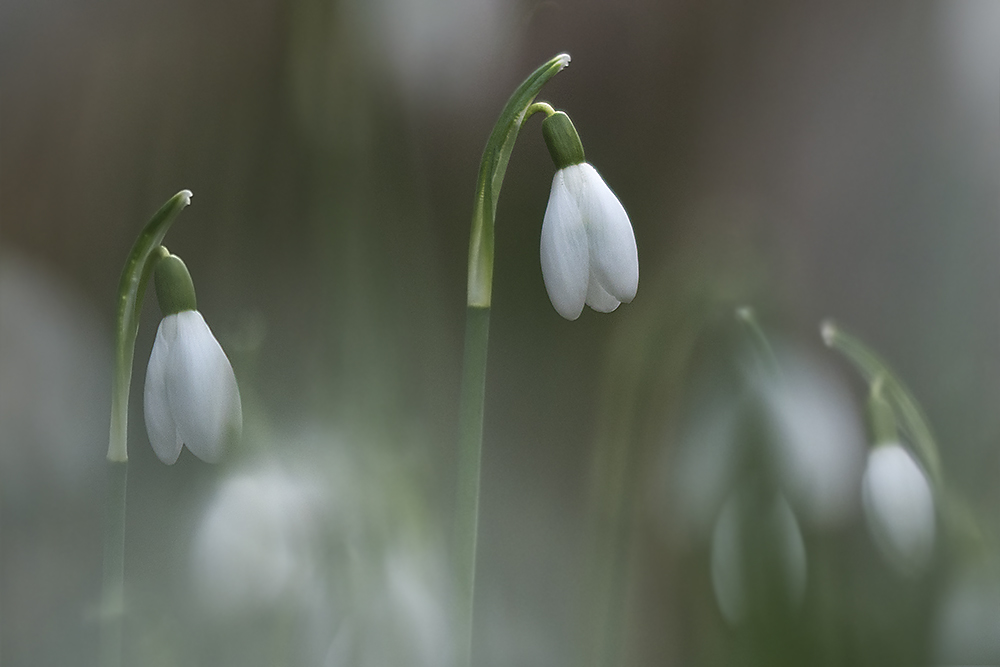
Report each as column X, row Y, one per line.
column 259, row 541
column 757, row 548
column 818, row 440
column 191, row 397
column 967, row 627
column 899, row 507
column 588, row 249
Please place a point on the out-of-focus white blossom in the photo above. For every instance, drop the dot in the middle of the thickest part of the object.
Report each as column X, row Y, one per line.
column 256, row 543
column 702, row 470
column 967, row 626
column 403, row 619
column 899, row 507
column 738, row 541
column 813, row 453
column 54, row 355
column 817, row 438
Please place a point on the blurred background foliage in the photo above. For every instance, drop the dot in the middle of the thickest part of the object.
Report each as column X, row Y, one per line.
column 810, row 160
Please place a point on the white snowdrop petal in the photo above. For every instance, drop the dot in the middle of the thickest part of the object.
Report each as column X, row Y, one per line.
column 202, row 389
column 899, row 507
column 160, row 425
column 818, row 442
column 564, row 251
column 599, row 299
column 614, row 258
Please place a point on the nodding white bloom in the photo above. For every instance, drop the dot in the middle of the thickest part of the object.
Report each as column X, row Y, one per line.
column 756, row 539
column 899, row 507
column 588, row 249
column 818, row 442
column 259, row 541
column 191, row 397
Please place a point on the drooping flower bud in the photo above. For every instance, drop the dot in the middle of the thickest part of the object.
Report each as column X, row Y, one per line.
column 191, row 397
column 899, row 507
column 588, row 250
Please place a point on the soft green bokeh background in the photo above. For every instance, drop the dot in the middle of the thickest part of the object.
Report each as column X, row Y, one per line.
column 812, row 160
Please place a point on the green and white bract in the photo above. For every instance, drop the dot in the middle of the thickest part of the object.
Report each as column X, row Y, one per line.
column 899, row 507
column 191, row 397
column 588, row 249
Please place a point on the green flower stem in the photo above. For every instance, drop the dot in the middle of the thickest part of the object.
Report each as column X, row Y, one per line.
column 113, row 592
column 479, row 298
column 976, row 544
column 874, row 369
column 145, row 252
column 477, row 332
column 131, row 289
column 748, row 316
column 491, row 172
column 539, row 107
column 881, row 416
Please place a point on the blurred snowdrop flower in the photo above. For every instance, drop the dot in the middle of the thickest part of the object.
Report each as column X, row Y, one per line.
column 334, row 541
column 438, row 49
column 815, row 445
column 190, row 397
column 255, row 544
column 899, row 507
column 967, row 626
column 53, row 352
column 588, row 249
column 751, row 551
column 403, row 619
column 701, row 471
column 818, row 439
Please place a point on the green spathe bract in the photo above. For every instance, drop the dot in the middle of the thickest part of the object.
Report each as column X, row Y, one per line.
column 562, row 140
column 174, row 287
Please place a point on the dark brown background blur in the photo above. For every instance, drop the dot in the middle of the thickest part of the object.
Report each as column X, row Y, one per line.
column 819, row 159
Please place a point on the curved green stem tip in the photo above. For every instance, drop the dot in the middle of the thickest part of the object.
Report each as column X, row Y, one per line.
column 131, row 289
column 890, row 389
column 491, row 172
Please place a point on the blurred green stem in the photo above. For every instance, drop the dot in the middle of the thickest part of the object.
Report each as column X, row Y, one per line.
column 132, row 287
column 892, row 389
column 113, row 592
column 748, row 316
column 480, row 293
column 890, row 399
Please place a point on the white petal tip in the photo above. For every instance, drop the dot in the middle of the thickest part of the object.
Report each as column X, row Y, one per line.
column 563, row 60
column 571, row 315
column 167, row 460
